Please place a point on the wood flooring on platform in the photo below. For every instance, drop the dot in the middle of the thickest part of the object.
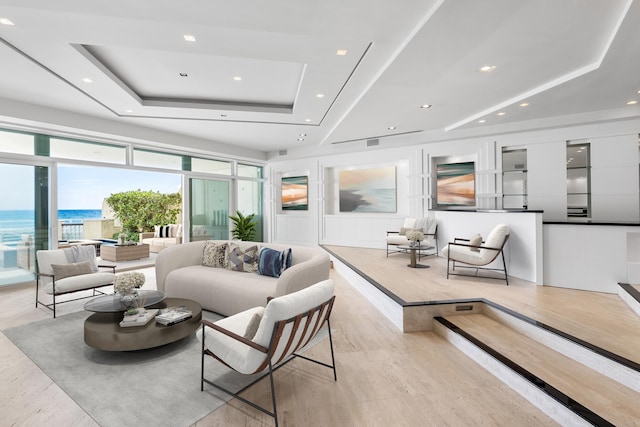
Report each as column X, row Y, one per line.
column 604, row 320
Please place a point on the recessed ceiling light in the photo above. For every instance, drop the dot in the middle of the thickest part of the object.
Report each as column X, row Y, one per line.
column 307, row 120
column 5, row 21
column 487, row 68
column 341, row 52
column 128, row 111
column 632, row 102
column 524, row 104
column 300, row 139
column 184, row 75
column 237, row 78
column 501, row 113
column 223, row 115
column 391, row 127
column 425, row 106
column 87, row 80
column 320, row 95
column 189, row 38
column 482, row 121
column 303, row 134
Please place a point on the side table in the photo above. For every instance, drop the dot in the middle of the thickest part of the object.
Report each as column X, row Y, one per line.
column 412, row 251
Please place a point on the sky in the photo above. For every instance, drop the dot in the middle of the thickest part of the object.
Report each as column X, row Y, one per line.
column 80, row 187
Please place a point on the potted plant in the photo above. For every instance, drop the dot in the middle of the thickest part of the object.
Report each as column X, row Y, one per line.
column 244, row 227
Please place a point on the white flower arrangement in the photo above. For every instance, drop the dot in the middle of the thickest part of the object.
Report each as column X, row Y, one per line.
column 415, row 235
column 125, row 283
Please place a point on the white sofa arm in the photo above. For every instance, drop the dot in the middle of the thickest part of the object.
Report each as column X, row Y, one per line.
column 175, row 257
column 304, row 274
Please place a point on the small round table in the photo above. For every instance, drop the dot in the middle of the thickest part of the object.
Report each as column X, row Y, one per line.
column 102, row 329
column 412, row 250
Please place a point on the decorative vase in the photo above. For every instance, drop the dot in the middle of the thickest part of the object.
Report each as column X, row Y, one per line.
column 127, row 300
column 412, row 243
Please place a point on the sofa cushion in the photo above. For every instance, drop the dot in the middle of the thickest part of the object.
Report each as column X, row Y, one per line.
column 215, row 255
column 239, row 259
column 272, row 262
column 60, row 271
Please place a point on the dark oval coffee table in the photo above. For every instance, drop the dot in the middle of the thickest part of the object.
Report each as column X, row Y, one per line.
column 102, row 330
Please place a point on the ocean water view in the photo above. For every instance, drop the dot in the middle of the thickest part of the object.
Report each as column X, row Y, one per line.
column 15, row 223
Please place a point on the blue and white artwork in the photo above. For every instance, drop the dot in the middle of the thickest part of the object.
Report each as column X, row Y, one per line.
column 368, row 190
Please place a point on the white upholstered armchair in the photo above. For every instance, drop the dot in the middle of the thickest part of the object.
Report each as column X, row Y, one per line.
column 428, row 226
column 262, row 339
column 63, row 271
column 476, row 255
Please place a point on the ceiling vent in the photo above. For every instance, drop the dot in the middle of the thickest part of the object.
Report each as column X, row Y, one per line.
column 373, row 142
column 282, row 153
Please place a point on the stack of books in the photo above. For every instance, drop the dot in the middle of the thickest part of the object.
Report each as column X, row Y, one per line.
column 139, row 319
column 172, row 315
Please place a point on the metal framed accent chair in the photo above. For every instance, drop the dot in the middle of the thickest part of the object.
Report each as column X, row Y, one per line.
column 428, row 226
column 477, row 254
column 282, row 328
column 73, row 269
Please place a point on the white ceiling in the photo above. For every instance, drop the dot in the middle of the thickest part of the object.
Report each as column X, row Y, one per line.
column 574, row 59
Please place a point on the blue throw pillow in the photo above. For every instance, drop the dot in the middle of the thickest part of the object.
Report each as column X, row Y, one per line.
column 272, row 262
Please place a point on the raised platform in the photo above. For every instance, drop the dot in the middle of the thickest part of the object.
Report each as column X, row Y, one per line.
column 554, row 328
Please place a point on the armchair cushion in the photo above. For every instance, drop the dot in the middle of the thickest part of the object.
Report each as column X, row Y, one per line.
column 61, row 271
column 254, row 323
column 475, row 242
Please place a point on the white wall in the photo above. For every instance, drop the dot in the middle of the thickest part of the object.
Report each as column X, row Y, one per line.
column 615, row 189
column 523, row 252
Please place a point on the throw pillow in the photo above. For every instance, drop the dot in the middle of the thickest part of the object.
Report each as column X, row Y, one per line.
column 214, row 255
column 475, row 242
column 242, row 260
column 162, row 231
column 61, row 271
column 252, row 326
column 272, row 262
column 403, row 230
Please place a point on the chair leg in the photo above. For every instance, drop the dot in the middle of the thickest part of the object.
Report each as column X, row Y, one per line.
column 504, row 265
column 202, row 362
column 273, row 393
column 54, row 305
column 333, row 360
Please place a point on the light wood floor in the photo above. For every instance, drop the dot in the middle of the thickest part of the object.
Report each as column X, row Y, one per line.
column 599, row 318
column 385, row 377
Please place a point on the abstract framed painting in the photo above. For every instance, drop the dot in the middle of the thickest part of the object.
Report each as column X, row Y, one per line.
column 368, row 190
column 455, row 184
column 295, row 190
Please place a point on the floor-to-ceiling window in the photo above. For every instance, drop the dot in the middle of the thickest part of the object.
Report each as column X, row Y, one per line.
column 78, row 184
column 24, row 220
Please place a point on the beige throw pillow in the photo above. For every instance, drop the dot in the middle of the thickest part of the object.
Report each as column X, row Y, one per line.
column 475, row 241
column 215, row 255
column 61, row 271
column 252, row 326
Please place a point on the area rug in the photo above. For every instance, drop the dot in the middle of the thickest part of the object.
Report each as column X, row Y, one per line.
column 159, row 387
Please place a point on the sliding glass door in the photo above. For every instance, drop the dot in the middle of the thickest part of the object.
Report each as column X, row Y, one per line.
column 209, row 209
column 24, row 220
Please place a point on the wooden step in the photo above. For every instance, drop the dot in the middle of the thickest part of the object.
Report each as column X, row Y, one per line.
column 605, row 397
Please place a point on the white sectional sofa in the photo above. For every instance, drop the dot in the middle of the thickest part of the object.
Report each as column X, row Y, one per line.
column 180, row 273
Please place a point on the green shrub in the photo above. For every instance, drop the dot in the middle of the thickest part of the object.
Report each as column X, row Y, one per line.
column 140, row 211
